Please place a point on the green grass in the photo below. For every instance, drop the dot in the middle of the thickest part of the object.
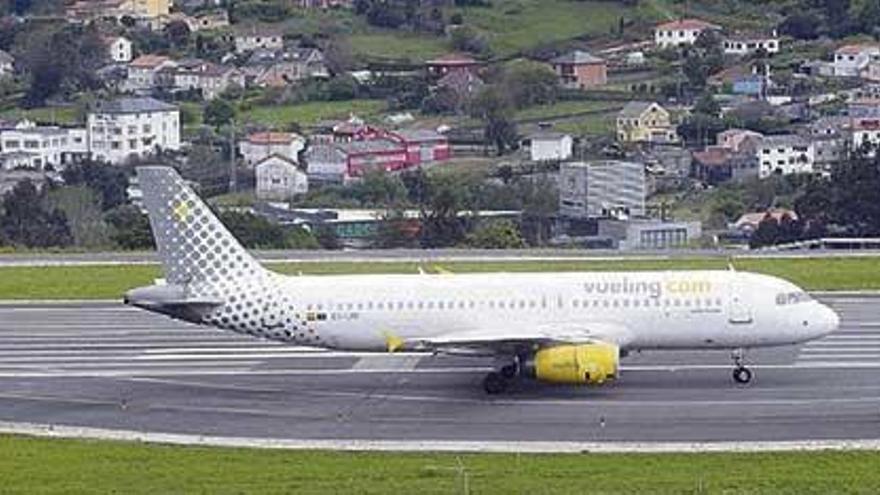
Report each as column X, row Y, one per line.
column 109, row 282
column 311, row 113
column 397, row 45
column 45, row 115
column 563, row 108
column 30, row 465
column 516, row 25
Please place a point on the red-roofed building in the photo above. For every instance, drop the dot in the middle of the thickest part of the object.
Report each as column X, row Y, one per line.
column 379, row 150
column 441, row 66
column 681, row 32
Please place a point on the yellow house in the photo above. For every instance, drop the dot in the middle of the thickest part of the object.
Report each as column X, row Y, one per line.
column 645, row 122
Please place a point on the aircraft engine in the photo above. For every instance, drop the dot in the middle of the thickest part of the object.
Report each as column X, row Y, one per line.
column 590, row 364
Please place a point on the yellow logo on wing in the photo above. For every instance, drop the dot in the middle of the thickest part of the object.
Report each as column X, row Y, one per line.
column 180, row 212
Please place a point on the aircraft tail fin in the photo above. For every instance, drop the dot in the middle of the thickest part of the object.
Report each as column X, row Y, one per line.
column 193, row 244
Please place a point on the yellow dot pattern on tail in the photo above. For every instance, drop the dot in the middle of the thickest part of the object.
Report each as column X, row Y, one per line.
column 181, row 211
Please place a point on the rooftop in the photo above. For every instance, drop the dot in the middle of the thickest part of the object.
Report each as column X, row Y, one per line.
column 577, row 57
column 420, row 135
column 635, row 108
column 272, row 137
column 784, row 140
column 133, row 105
column 149, row 61
column 686, row 25
column 453, row 59
column 855, row 49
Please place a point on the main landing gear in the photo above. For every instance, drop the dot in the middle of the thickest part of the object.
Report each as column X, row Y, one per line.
column 741, row 374
column 497, row 382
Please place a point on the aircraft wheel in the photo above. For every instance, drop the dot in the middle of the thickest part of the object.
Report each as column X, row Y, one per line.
column 742, row 375
column 509, row 372
column 494, row 383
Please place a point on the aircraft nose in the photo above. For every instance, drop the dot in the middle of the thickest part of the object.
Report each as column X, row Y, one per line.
column 829, row 321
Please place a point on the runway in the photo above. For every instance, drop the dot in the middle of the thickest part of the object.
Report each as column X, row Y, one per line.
column 427, row 256
column 103, row 365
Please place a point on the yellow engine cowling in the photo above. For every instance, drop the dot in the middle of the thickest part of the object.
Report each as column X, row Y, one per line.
column 590, row 364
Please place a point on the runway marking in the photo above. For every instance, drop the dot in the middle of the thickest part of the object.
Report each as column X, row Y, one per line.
column 490, row 446
column 387, row 362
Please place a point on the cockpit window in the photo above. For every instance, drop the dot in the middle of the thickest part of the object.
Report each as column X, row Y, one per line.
column 792, row 298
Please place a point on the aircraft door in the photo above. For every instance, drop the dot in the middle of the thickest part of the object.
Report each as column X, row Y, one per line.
column 738, row 311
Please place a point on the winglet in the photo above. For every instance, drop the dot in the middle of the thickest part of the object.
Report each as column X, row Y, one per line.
column 392, row 342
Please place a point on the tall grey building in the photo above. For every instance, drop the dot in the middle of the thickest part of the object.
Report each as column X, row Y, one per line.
column 602, row 189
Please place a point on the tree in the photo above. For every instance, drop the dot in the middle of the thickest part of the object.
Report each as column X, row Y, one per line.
column 499, row 234
column 59, row 60
column 467, row 39
column 767, row 233
column 254, row 232
column 178, row 33
column 444, row 196
column 218, row 112
column 494, row 109
column 527, row 83
column 130, row 228
column 82, row 209
column 27, row 221
column 109, row 181
column 395, row 230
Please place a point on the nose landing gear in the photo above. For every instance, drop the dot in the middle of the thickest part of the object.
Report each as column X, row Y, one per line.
column 497, row 382
column 741, row 374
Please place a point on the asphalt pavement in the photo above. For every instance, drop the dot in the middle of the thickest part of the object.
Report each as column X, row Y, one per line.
column 105, row 365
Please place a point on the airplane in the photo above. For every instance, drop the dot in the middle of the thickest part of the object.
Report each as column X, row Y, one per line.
column 564, row 328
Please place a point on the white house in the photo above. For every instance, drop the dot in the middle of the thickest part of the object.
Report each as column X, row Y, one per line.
column 784, row 154
column 43, row 146
column 144, row 71
column 851, row 60
column 260, row 145
column 681, row 32
column 279, row 179
column 252, row 38
column 126, row 127
column 207, row 77
column 119, row 49
column 747, row 43
column 550, row 146
column 7, row 64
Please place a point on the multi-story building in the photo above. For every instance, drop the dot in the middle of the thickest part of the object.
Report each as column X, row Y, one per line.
column 254, row 37
column 260, row 145
column 580, row 70
column 208, row 78
column 144, row 72
column 784, row 154
column 602, row 189
column 132, row 127
column 645, row 122
column 681, row 32
column 748, row 43
column 42, row 147
column 119, row 49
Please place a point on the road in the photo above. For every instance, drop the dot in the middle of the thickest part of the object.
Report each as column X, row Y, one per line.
column 104, row 365
column 423, row 255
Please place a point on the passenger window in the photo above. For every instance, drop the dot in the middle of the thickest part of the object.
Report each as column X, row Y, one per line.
column 575, row 303
column 440, row 305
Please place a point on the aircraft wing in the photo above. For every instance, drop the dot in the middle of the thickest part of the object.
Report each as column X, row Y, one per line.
column 515, row 340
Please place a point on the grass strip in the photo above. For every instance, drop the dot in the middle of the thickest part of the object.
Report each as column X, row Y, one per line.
column 110, row 281
column 36, row 465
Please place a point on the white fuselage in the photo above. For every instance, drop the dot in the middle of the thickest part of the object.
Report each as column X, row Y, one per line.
column 635, row 310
